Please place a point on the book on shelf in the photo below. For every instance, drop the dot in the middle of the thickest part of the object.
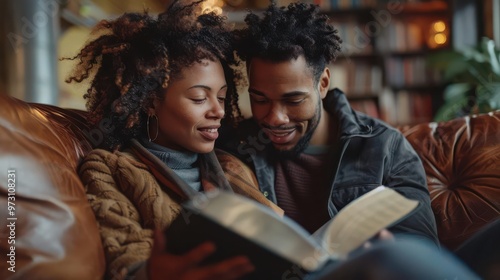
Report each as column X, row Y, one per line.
column 276, row 245
column 356, row 78
column 360, row 4
column 353, row 36
column 406, row 106
column 367, row 106
column 410, row 71
column 403, row 107
column 400, row 36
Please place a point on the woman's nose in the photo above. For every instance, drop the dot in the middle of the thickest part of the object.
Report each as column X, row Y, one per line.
column 217, row 110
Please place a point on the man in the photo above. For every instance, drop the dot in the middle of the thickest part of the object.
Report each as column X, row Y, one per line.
column 311, row 153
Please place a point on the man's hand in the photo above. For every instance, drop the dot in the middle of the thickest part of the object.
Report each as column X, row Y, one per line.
column 162, row 265
column 383, row 235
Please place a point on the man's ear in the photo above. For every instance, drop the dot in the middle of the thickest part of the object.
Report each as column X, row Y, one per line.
column 324, row 82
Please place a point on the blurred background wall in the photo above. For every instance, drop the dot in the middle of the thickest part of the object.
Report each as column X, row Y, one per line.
column 35, row 34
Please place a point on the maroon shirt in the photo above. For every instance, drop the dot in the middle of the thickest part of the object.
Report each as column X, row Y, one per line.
column 302, row 188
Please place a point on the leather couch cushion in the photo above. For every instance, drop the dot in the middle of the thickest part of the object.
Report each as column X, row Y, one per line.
column 462, row 162
column 56, row 235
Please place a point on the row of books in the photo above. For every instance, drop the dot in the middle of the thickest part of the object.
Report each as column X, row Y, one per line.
column 410, row 71
column 358, row 4
column 367, row 106
column 400, row 36
column 406, row 107
column 362, row 77
column 345, row 4
column 355, row 40
column 397, row 36
column 355, row 78
column 397, row 108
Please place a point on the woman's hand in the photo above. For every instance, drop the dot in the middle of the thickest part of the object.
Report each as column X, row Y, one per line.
column 162, row 265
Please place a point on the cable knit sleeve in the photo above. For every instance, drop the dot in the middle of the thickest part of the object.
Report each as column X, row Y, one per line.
column 128, row 205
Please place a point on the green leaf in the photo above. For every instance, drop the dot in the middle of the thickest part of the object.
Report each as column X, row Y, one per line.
column 494, row 101
column 442, row 59
column 476, row 68
column 479, row 73
column 456, row 91
column 455, row 68
column 490, row 94
column 487, row 91
column 451, row 109
column 478, row 54
column 495, row 65
column 483, row 108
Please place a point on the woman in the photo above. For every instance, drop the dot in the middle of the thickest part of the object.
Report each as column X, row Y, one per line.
column 158, row 96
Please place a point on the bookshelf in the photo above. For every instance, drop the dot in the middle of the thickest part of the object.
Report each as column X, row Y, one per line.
column 382, row 67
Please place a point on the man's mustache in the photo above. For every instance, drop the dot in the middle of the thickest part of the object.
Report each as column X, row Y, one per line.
column 277, row 127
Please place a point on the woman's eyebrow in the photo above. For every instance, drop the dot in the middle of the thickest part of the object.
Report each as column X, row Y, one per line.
column 206, row 87
column 201, row 86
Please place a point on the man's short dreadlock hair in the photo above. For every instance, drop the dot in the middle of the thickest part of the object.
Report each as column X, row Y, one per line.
column 137, row 55
column 286, row 33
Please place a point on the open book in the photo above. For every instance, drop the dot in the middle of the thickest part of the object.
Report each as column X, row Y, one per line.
column 277, row 245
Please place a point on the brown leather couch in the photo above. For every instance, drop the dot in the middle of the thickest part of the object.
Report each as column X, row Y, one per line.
column 462, row 163
column 55, row 233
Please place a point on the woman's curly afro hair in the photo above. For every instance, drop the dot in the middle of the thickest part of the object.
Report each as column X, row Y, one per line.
column 285, row 33
column 137, row 55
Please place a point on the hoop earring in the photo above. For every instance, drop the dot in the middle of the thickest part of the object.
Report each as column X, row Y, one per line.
column 157, row 129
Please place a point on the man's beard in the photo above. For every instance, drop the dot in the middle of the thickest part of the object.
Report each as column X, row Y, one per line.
column 303, row 142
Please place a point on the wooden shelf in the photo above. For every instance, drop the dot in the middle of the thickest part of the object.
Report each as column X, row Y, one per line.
column 378, row 55
column 361, row 95
column 422, row 51
column 422, row 9
column 419, row 88
column 370, row 55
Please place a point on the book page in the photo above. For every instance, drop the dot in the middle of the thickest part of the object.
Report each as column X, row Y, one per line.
column 363, row 218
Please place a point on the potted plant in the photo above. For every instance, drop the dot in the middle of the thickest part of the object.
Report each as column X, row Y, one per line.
column 473, row 75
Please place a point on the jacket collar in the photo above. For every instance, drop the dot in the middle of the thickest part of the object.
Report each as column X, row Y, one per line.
column 351, row 123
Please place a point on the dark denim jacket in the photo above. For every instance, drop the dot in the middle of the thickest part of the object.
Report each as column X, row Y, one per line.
column 371, row 154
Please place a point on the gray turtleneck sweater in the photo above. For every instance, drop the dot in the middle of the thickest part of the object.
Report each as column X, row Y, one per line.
column 183, row 163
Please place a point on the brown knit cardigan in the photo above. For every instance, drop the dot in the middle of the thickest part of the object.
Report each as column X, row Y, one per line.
column 132, row 193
